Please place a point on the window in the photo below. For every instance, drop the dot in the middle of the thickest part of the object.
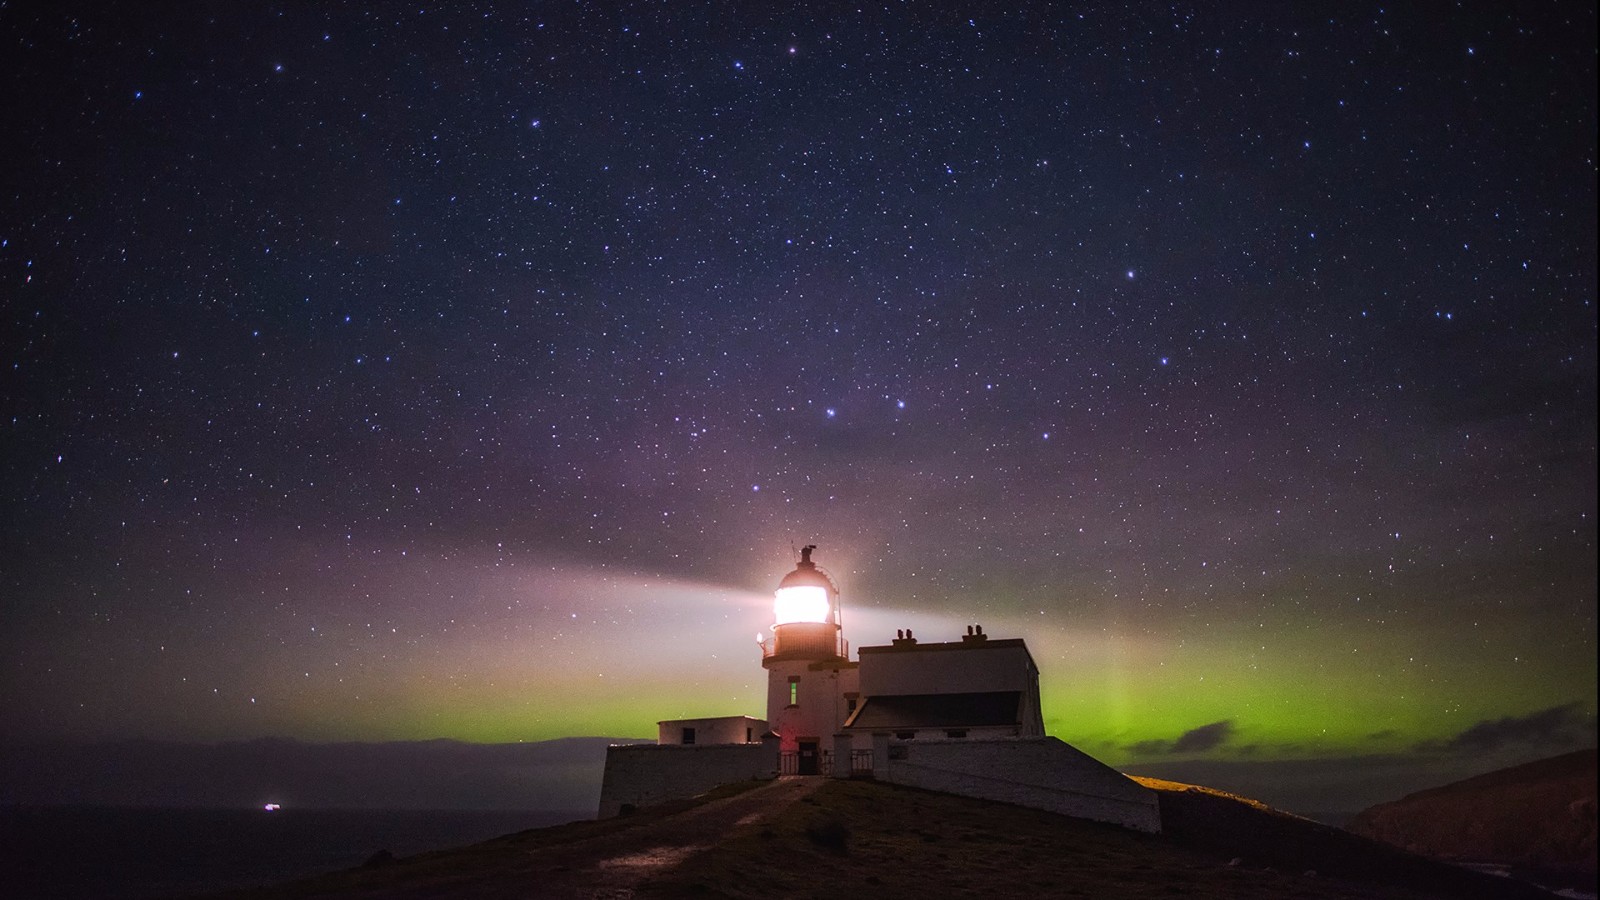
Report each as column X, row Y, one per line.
column 905, row 735
column 794, row 690
column 688, row 735
column 956, row 733
column 850, row 700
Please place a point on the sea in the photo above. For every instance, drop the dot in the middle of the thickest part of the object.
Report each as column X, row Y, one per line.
column 132, row 853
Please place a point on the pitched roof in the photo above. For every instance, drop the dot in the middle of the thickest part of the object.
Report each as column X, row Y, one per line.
column 937, row 710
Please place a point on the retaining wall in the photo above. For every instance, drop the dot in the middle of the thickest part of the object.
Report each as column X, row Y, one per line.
column 646, row 774
column 1039, row 773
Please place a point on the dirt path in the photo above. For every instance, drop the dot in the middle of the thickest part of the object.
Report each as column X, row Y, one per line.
column 647, row 851
column 612, row 866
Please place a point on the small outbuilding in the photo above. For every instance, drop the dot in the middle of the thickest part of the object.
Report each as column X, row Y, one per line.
column 719, row 730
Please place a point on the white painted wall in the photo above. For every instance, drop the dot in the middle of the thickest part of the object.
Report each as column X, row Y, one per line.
column 941, row 734
column 718, row 730
column 821, row 707
column 947, row 669
column 1039, row 773
column 647, row 774
column 957, row 668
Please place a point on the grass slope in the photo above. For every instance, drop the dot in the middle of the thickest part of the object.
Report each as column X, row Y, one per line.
column 896, row 842
column 1538, row 817
column 1210, row 821
column 860, row 838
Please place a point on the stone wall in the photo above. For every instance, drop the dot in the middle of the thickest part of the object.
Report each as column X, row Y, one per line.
column 1040, row 773
column 646, row 774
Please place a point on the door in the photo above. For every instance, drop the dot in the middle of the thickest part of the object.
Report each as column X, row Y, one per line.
column 808, row 758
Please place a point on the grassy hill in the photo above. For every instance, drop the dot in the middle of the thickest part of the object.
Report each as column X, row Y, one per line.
column 815, row 837
column 1538, row 817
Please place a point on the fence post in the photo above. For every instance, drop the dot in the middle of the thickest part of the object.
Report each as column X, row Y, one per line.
column 842, row 763
column 880, row 756
column 769, row 749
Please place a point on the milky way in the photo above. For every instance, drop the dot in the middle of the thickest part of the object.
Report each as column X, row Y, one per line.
column 473, row 370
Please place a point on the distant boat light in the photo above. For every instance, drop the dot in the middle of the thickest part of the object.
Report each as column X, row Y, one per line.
column 272, row 807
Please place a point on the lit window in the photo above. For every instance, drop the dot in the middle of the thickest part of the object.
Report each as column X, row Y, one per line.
column 794, row 690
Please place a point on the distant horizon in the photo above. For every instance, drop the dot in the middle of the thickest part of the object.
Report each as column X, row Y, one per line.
column 570, row 768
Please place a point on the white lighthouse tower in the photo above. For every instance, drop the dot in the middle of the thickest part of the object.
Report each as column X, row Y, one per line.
column 811, row 684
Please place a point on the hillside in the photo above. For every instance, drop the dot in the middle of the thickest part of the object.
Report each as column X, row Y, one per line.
column 816, row 837
column 1538, row 817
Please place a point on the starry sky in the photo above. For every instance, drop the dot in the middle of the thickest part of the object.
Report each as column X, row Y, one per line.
column 470, row 370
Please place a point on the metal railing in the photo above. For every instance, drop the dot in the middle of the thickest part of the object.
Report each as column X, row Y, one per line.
column 789, row 763
column 861, row 763
column 841, row 647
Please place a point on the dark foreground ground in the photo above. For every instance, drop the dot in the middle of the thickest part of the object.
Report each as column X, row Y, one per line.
column 827, row 839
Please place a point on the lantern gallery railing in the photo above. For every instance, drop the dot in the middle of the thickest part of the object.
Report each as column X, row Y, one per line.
column 836, row 646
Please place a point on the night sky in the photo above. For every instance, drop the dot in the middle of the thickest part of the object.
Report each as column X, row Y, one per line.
column 474, row 370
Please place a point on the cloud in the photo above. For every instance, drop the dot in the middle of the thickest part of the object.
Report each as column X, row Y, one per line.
column 1195, row 740
column 1557, row 725
column 1206, row 737
column 1295, row 776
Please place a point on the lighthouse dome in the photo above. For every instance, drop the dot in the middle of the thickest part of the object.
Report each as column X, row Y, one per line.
column 806, row 574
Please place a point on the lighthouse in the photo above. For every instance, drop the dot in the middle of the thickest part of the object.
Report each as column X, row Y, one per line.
column 811, row 683
column 961, row 716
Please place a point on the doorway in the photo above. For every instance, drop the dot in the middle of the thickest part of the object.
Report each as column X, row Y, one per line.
column 807, row 764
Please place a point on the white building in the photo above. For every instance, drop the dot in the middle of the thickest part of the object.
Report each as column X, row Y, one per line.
column 961, row 717
column 719, row 730
column 968, row 689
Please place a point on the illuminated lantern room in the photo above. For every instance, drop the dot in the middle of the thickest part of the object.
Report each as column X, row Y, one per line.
column 806, row 613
